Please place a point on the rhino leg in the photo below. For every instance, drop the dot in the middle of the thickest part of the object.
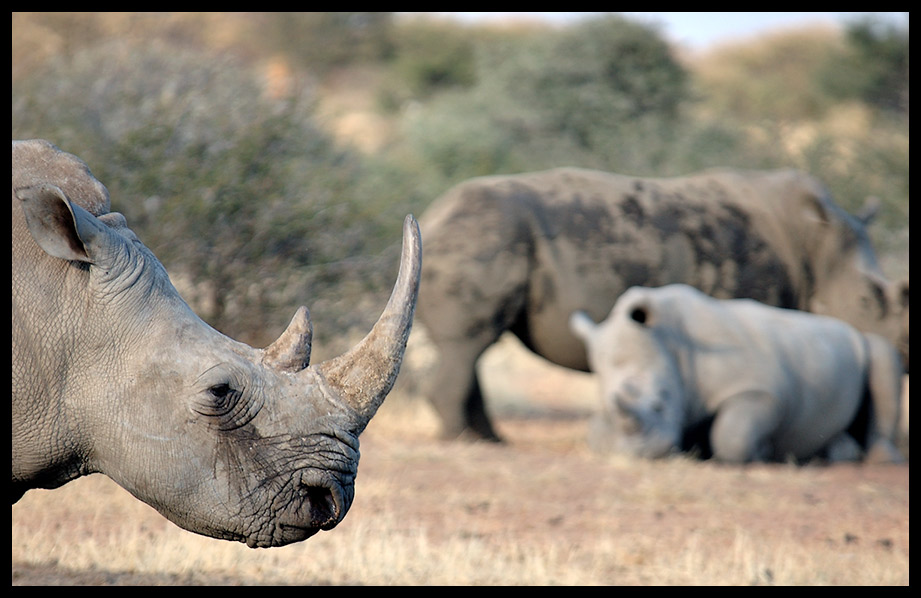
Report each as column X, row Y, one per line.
column 843, row 448
column 884, row 387
column 743, row 428
column 466, row 302
column 455, row 392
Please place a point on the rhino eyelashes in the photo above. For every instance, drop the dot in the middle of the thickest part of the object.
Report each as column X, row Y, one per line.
column 220, row 391
column 221, row 400
column 223, row 394
column 228, row 406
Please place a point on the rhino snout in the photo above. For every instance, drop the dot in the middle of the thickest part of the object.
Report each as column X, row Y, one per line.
column 628, row 414
column 320, row 505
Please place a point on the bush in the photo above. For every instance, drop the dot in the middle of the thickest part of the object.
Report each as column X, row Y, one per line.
column 873, row 67
column 605, row 93
column 603, row 73
column 237, row 192
column 774, row 77
column 428, row 57
column 322, row 41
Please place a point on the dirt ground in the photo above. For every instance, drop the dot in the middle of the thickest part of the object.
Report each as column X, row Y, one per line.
column 544, row 490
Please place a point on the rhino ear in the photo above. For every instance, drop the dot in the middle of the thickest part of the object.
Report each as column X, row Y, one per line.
column 815, row 208
column 65, row 230
column 52, row 222
column 581, row 325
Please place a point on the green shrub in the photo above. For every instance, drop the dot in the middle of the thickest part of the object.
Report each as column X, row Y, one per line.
column 604, row 93
column 428, row 57
column 322, row 41
column 873, row 66
column 239, row 193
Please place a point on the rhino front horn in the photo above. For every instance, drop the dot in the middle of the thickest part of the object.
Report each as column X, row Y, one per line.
column 363, row 376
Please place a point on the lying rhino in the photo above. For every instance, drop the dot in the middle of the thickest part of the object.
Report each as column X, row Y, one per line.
column 767, row 384
column 521, row 253
column 113, row 373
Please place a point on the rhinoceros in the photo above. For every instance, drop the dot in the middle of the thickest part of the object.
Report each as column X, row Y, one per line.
column 743, row 380
column 520, row 253
column 113, row 373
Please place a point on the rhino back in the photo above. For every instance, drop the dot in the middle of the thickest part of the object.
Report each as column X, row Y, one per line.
column 578, row 238
column 815, row 366
column 723, row 232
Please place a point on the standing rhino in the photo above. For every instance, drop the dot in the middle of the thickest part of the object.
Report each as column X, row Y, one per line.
column 114, row 373
column 521, row 253
column 776, row 383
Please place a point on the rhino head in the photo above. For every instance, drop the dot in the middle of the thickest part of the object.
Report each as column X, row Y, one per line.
column 643, row 400
column 848, row 282
column 114, row 373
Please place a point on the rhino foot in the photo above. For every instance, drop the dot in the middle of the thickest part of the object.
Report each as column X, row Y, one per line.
column 883, row 451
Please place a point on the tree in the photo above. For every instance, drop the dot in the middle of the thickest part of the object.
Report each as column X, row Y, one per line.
column 874, row 66
column 240, row 193
column 603, row 93
column 320, row 41
column 602, row 73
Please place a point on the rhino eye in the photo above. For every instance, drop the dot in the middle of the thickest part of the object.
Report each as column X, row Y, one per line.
column 639, row 315
column 221, row 400
column 220, row 391
column 227, row 397
column 877, row 301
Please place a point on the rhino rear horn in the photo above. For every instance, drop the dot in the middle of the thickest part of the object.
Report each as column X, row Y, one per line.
column 869, row 210
column 363, row 376
column 291, row 352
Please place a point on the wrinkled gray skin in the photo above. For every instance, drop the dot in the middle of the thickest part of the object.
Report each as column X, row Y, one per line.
column 521, row 253
column 113, row 373
column 770, row 384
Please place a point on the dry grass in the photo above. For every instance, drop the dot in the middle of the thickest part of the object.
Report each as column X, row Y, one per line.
column 93, row 527
column 540, row 510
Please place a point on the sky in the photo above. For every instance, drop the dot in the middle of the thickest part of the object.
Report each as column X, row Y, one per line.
column 698, row 30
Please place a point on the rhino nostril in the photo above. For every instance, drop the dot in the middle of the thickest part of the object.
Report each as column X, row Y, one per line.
column 324, row 508
column 623, row 404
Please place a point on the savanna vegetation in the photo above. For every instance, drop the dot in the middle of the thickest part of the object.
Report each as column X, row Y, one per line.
column 268, row 158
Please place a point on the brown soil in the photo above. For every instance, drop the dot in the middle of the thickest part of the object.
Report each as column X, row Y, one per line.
column 544, row 488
